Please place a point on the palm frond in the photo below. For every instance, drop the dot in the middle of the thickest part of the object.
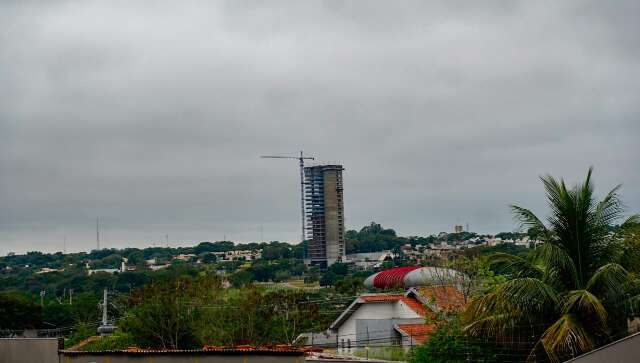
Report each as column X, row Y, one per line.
column 609, row 279
column 497, row 326
column 567, row 337
column 529, row 295
column 528, row 220
column 633, row 221
column 533, row 354
column 585, row 304
column 514, row 265
column 559, row 199
column 609, row 209
column 557, row 261
column 482, row 306
column 518, row 297
column 583, row 273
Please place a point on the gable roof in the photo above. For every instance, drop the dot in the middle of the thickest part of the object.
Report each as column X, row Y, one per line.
column 415, row 305
column 411, row 302
column 445, row 298
column 381, row 297
column 418, row 332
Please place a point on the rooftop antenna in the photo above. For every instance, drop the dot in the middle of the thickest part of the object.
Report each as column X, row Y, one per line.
column 98, row 233
column 301, row 159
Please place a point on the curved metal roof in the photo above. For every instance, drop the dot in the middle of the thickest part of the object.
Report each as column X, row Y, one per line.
column 412, row 276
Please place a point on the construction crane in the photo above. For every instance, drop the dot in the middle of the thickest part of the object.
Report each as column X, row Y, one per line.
column 301, row 158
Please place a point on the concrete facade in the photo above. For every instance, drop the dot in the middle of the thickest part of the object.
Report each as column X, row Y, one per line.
column 324, row 209
column 29, row 350
column 333, row 215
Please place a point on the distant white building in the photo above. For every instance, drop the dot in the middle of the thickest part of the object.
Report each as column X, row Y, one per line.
column 368, row 260
column 46, row 270
column 159, row 267
column 123, row 268
column 246, row 255
column 494, row 241
column 184, row 256
column 105, row 270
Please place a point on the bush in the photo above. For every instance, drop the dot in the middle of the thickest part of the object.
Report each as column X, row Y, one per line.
column 450, row 344
column 82, row 332
column 117, row 341
column 18, row 312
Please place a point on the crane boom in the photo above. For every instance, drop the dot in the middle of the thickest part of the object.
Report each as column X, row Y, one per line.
column 286, row 157
column 301, row 158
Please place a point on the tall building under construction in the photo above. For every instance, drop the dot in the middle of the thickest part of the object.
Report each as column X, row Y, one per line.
column 324, row 210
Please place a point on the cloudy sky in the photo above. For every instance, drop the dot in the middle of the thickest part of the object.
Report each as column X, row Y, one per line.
column 153, row 115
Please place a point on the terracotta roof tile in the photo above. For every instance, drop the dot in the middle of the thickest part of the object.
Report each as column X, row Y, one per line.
column 415, row 305
column 447, row 298
column 381, row 298
column 418, row 332
column 411, row 302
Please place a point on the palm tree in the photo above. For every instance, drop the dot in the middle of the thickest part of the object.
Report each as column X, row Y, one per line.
column 568, row 296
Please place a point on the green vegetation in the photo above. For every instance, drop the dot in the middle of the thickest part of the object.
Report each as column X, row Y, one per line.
column 449, row 344
column 18, row 312
column 393, row 353
column 189, row 312
column 571, row 294
column 374, row 237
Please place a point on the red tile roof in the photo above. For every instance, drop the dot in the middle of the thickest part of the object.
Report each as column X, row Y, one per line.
column 207, row 349
column 415, row 305
column 447, row 298
column 411, row 302
column 381, row 298
column 418, row 332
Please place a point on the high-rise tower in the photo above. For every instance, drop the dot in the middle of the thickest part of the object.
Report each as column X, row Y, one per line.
column 325, row 214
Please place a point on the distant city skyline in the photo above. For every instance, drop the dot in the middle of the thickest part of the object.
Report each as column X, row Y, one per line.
column 154, row 116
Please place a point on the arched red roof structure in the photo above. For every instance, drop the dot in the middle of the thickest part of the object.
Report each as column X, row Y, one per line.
column 412, row 276
column 393, row 277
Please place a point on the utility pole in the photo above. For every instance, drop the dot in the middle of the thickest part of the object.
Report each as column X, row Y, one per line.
column 104, row 307
column 105, row 328
column 42, row 293
column 167, row 239
column 70, row 296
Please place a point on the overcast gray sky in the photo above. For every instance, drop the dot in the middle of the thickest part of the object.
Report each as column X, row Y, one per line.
column 153, row 114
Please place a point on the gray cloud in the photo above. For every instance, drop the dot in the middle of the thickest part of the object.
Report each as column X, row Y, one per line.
column 153, row 115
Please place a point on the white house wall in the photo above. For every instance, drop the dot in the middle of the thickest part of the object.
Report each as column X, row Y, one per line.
column 383, row 310
column 403, row 311
column 374, row 311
